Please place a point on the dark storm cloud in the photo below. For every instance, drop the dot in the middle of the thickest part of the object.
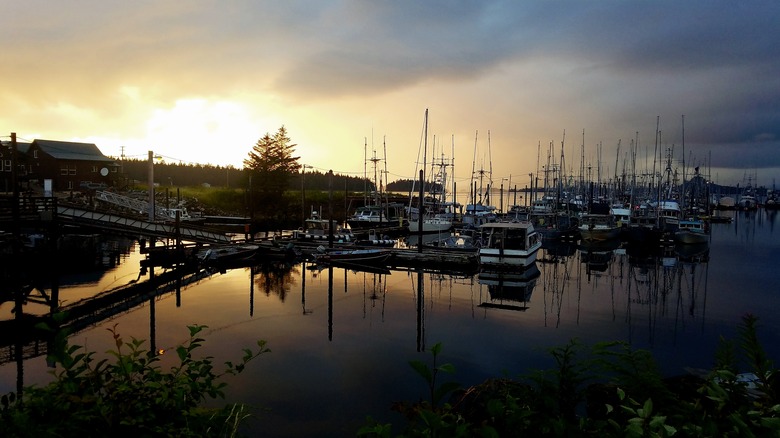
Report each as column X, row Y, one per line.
column 610, row 67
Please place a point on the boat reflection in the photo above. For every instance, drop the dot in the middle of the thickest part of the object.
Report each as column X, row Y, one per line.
column 597, row 255
column 509, row 290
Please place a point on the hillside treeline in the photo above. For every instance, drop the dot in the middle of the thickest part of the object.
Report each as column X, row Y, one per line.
column 191, row 175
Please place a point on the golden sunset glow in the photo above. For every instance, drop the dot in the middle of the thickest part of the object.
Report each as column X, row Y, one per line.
column 200, row 83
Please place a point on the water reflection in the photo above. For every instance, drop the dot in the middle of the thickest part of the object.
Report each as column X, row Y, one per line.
column 509, row 290
column 361, row 327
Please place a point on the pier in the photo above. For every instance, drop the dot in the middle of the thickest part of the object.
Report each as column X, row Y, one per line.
column 44, row 214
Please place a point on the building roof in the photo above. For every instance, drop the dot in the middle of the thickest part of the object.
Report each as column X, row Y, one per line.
column 67, row 150
column 21, row 146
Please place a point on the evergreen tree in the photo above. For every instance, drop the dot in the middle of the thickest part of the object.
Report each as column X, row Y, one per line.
column 270, row 164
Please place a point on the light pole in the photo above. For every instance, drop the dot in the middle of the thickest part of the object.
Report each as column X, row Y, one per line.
column 151, row 185
column 303, row 195
column 501, row 196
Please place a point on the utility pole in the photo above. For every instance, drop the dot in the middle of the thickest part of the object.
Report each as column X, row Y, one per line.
column 15, row 198
column 330, row 209
column 151, row 186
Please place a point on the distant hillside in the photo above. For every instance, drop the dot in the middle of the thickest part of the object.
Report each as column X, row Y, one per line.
column 190, row 175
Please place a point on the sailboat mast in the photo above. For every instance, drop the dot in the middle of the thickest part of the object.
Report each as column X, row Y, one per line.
column 425, row 158
column 490, row 167
column 387, row 195
column 365, row 171
column 452, row 161
column 472, row 187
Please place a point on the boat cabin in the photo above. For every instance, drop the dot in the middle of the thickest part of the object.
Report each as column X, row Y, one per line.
column 510, row 235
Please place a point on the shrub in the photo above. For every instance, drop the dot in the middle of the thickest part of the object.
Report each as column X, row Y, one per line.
column 127, row 394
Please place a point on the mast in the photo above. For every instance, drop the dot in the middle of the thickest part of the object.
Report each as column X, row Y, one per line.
column 472, row 187
column 425, row 161
column 454, row 193
column 365, row 171
column 682, row 195
column 490, row 175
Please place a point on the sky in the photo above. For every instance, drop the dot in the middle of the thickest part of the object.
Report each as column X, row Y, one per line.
column 506, row 84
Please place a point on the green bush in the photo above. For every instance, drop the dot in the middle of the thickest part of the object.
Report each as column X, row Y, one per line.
column 608, row 390
column 127, row 394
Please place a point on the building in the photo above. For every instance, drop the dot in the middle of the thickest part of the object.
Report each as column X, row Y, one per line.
column 70, row 165
column 6, row 164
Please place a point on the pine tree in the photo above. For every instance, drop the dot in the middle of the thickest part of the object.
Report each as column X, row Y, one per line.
column 271, row 164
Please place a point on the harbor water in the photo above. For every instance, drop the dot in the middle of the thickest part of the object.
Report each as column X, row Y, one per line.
column 341, row 340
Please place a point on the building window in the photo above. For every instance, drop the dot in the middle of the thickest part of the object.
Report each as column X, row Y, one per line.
column 35, row 153
column 72, row 170
column 94, row 169
column 7, row 166
column 70, row 185
column 64, row 170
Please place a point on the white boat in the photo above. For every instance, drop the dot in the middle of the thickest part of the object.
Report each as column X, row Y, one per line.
column 377, row 217
column 430, row 225
column 508, row 245
column 747, row 202
column 318, row 229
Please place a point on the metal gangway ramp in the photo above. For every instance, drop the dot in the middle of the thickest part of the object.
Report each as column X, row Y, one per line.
column 124, row 224
column 136, row 205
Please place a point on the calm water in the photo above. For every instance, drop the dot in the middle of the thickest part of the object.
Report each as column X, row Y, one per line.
column 341, row 340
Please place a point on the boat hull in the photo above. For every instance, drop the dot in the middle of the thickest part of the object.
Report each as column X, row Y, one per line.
column 508, row 259
column 430, row 226
column 690, row 237
column 599, row 234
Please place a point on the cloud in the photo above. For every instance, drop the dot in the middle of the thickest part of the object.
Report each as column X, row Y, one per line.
column 334, row 70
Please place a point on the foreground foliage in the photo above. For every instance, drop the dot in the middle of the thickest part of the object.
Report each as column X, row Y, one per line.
column 128, row 395
column 608, row 390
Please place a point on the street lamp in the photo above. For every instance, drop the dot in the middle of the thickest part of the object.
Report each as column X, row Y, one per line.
column 303, row 195
column 151, row 184
column 501, row 196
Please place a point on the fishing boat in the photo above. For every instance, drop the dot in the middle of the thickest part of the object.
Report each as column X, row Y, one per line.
column 669, row 214
column 377, row 212
column 643, row 227
column 691, row 231
column 318, row 229
column 599, row 228
column 387, row 215
column 229, row 253
column 508, row 245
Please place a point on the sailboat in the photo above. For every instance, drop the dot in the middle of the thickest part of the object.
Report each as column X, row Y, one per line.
column 690, row 229
column 479, row 210
column 436, row 215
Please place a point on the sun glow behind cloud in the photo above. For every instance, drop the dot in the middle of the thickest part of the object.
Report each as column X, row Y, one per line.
column 201, row 82
column 192, row 131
